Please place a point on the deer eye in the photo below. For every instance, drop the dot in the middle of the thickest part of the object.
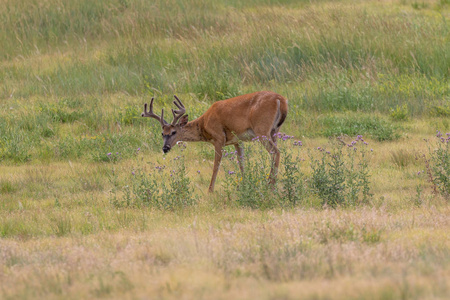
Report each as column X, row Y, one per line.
column 174, row 132
column 162, row 134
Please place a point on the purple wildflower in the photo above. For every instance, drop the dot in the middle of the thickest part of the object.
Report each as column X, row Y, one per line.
column 231, row 172
column 198, row 171
column 438, row 133
column 132, row 173
column 109, row 154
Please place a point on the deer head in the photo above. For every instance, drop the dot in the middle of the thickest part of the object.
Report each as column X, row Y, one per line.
column 171, row 133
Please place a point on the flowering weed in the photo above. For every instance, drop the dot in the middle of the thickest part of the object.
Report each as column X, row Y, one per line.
column 165, row 187
column 341, row 175
column 250, row 189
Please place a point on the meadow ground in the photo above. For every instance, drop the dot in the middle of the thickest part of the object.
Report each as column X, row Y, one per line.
column 91, row 208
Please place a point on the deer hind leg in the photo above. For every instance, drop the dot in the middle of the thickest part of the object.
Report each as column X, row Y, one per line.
column 275, row 153
column 240, row 156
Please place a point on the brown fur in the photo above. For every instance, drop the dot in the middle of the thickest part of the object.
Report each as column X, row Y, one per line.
column 232, row 120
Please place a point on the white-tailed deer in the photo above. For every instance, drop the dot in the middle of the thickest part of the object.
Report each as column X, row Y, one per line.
column 228, row 122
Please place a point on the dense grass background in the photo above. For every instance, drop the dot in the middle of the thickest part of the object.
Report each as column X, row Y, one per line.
column 81, row 68
column 73, row 79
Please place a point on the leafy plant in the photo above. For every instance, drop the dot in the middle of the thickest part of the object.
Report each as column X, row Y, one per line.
column 341, row 175
column 399, row 113
column 250, row 189
column 158, row 188
column 377, row 127
column 438, row 164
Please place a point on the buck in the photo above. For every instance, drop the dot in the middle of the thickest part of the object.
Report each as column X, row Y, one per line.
column 228, row 122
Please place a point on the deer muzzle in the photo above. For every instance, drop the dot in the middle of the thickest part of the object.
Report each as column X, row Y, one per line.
column 166, row 149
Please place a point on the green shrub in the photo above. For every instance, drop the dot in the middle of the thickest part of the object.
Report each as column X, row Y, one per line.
column 292, row 186
column 438, row 164
column 250, row 189
column 440, row 110
column 159, row 188
column 399, row 113
column 340, row 176
column 374, row 126
column 129, row 115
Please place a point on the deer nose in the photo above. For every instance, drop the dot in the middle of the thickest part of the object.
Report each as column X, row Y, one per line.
column 166, row 149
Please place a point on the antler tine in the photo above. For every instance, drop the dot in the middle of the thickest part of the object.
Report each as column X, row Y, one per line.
column 153, row 115
column 177, row 114
column 162, row 121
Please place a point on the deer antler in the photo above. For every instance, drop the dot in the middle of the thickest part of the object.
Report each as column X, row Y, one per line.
column 177, row 114
column 152, row 115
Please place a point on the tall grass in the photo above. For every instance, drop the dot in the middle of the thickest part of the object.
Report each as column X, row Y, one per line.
column 332, row 56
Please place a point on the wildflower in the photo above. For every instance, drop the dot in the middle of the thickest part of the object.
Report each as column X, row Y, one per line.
column 371, row 150
column 198, row 171
column 231, row 172
column 365, row 143
column 132, row 173
column 318, row 148
column 438, row 133
column 109, row 154
column 359, row 137
column 139, row 149
column 117, row 153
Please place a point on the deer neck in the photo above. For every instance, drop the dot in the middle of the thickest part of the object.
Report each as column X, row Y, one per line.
column 193, row 132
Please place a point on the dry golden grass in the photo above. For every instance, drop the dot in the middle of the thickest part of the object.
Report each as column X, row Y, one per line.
column 364, row 253
column 65, row 240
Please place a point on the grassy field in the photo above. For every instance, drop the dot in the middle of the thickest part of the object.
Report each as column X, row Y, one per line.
column 91, row 208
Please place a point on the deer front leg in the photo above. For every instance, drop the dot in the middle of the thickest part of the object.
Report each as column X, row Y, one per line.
column 240, row 156
column 217, row 159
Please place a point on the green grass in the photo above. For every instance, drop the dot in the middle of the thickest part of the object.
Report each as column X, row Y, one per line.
column 85, row 214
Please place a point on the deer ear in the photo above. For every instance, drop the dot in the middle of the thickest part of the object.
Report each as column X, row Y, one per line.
column 183, row 121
